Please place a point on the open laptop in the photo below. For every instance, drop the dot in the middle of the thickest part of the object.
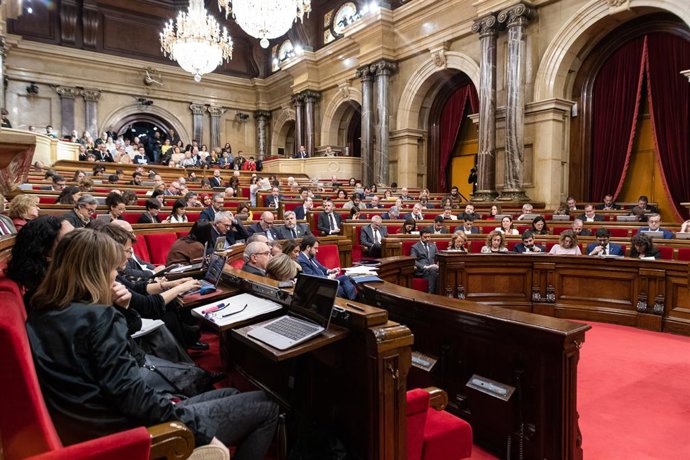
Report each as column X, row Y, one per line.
column 683, row 235
column 653, row 233
column 560, row 217
column 627, row 218
column 213, row 274
column 185, row 268
column 309, row 314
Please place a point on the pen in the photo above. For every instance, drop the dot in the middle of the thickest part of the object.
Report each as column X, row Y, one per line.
column 355, row 307
column 220, row 306
column 235, row 312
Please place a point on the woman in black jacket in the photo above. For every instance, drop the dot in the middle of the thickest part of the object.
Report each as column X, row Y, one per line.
column 91, row 382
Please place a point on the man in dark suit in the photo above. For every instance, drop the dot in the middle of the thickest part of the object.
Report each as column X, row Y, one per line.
column 216, row 180
column 392, row 214
column 150, row 216
column 371, row 236
column 209, row 213
column 469, row 213
column 528, row 245
column 603, row 247
column 265, row 227
column 329, row 223
column 225, row 224
column 256, row 257
column 608, row 204
column 301, row 153
column 273, row 201
column 416, row 213
column 437, row 228
column 643, row 206
column 579, row 228
column 424, row 252
column 468, row 227
column 589, row 215
column 306, row 206
column 654, row 225
column 309, row 247
column 292, row 230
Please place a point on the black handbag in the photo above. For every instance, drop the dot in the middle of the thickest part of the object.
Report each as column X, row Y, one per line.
column 176, row 378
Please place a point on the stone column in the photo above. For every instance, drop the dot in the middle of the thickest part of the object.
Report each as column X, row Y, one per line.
column 216, row 114
column 383, row 70
column 298, row 100
column 67, row 96
column 309, row 139
column 197, row 121
column 91, row 97
column 262, row 141
column 3, row 55
column 516, row 18
column 367, row 140
column 487, row 27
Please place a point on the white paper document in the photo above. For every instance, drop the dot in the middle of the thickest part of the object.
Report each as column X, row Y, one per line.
column 235, row 309
column 147, row 325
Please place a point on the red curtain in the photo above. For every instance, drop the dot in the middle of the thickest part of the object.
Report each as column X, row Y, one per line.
column 454, row 113
column 669, row 104
column 616, row 101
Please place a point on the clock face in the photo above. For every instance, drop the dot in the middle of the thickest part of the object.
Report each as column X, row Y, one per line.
column 344, row 17
column 285, row 51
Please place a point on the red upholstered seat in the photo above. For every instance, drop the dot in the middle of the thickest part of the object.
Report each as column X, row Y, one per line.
column 131, row 217
column 619, row 232
column 559, row 230
column 181, row 234
column 159, row 245
column 193, row 216
column 476, row 246
column 666, row 252
column 26, row 428
column 432, row 434
column 511, row 244
column 356, row 247
column 550, row 244
column 141, row 249
column 291, row 206
column 237, row 263
column 142, row 201
column 329, row 256
column 407, row 246
column 684, row 254
column 418, row 283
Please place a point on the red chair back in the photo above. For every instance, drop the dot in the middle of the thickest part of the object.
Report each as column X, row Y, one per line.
column 666, row 252
column 329, row 256
column 417, row 407
column 159, row 245
column 684, row 254
column 141, row 249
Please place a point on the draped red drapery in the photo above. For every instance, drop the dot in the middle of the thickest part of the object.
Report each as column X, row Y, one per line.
column 454, row 113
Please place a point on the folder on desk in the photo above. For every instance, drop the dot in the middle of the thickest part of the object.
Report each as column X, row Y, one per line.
column 236, row 309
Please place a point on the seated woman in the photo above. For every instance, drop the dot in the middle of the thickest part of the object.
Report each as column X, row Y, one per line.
column 567, row 244
column 458, row 242
column 643, row 247
column 68, row 195
column 116, row 205
column 495, row 243
column 495, row 211
column 507, row 227
column 179, row 212
column 244, row 212
column 409, row 227
column 539, row 226
column 91, row 382
column 23, row 208
column 281, row 268
column 150, row 216
column 191, row 247
column 355, row 213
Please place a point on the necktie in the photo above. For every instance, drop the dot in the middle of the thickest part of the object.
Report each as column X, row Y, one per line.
column 606, row 250
column 331, row 221
column 294, row 234
column 377, row 237
column 4, row 229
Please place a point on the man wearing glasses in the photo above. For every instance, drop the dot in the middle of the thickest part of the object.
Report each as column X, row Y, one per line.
column 209, row 213
column 424, row 252
column 226, row 225
column 265, row 226
column 256, row 257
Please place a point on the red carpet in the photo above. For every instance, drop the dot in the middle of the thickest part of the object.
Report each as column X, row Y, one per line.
column 633, row 394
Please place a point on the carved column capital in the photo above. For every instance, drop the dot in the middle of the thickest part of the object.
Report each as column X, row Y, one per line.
column 486, row 26
column 262, row 114
column 364, row 73
column 298, row 99
column 216, row 111
column 197, row 109
column 517, row 15
column 66, row 92
column 91, row 95
column 383, row 67
column 310, row 95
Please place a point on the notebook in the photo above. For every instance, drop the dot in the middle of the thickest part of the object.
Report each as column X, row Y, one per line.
column 309, row 314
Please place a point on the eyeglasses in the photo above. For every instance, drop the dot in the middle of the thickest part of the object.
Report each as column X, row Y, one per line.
column 265, row 253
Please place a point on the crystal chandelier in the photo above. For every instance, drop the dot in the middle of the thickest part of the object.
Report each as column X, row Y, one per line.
column 195, row 41
column 266, row 19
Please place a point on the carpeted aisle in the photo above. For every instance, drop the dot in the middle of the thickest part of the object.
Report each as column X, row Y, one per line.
column 633, row 394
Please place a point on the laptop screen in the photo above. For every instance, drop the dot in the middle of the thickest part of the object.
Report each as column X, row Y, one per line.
column 215, row 269
column 653, row 234
column 313, row 298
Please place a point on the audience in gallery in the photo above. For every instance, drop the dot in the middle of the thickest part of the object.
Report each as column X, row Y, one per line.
column 74, row 297
column 567, row 244
column 495, row 242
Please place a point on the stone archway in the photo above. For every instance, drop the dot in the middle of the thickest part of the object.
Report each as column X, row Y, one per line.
column 577, row 36
column 282, row 125
column 134, row 112
column 340, row 106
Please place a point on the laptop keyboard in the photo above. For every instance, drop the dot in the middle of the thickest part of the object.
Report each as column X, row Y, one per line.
column 291, row 328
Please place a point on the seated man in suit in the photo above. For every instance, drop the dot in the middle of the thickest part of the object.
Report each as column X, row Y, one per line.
column 579, row 230
column 301, row 153
column 416, row 213
column 273, row 201
column 590, row 215
column 602, row 247
column 256, row 256
column 654, row 225
column 469, row 213
column 468, row 227
column 527, row 211
column 356, row 200
column 265, row 226
column 608, row 204
column 374, row 202
column 571, row 203
column 225, row 224
column 306, row 206
column 425, row 264
column 437, row 228
column 644, row 207
column 292, row 230
column 528, row 245
column 209, row 213
column 392, row 214
column 329, row 223
column 309, row 247
column 371, row 236
column 216, row 180
column 405, row 194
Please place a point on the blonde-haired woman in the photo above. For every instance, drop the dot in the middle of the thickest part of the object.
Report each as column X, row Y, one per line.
column 567, row 244
column 495, row 243
column 79, row 341
column 458, row 242
column 281, row 268
column 23, row 208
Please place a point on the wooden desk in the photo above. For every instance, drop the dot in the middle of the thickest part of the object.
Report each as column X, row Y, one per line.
column 352, row 380
column 534, row 353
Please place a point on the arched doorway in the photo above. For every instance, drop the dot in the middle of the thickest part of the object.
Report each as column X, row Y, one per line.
column 124, row 118
column 349, row 129
column 139, row 128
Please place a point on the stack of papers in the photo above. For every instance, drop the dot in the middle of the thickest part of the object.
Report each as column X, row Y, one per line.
column 235, row 309
column 147, row 325
column 361, row 270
